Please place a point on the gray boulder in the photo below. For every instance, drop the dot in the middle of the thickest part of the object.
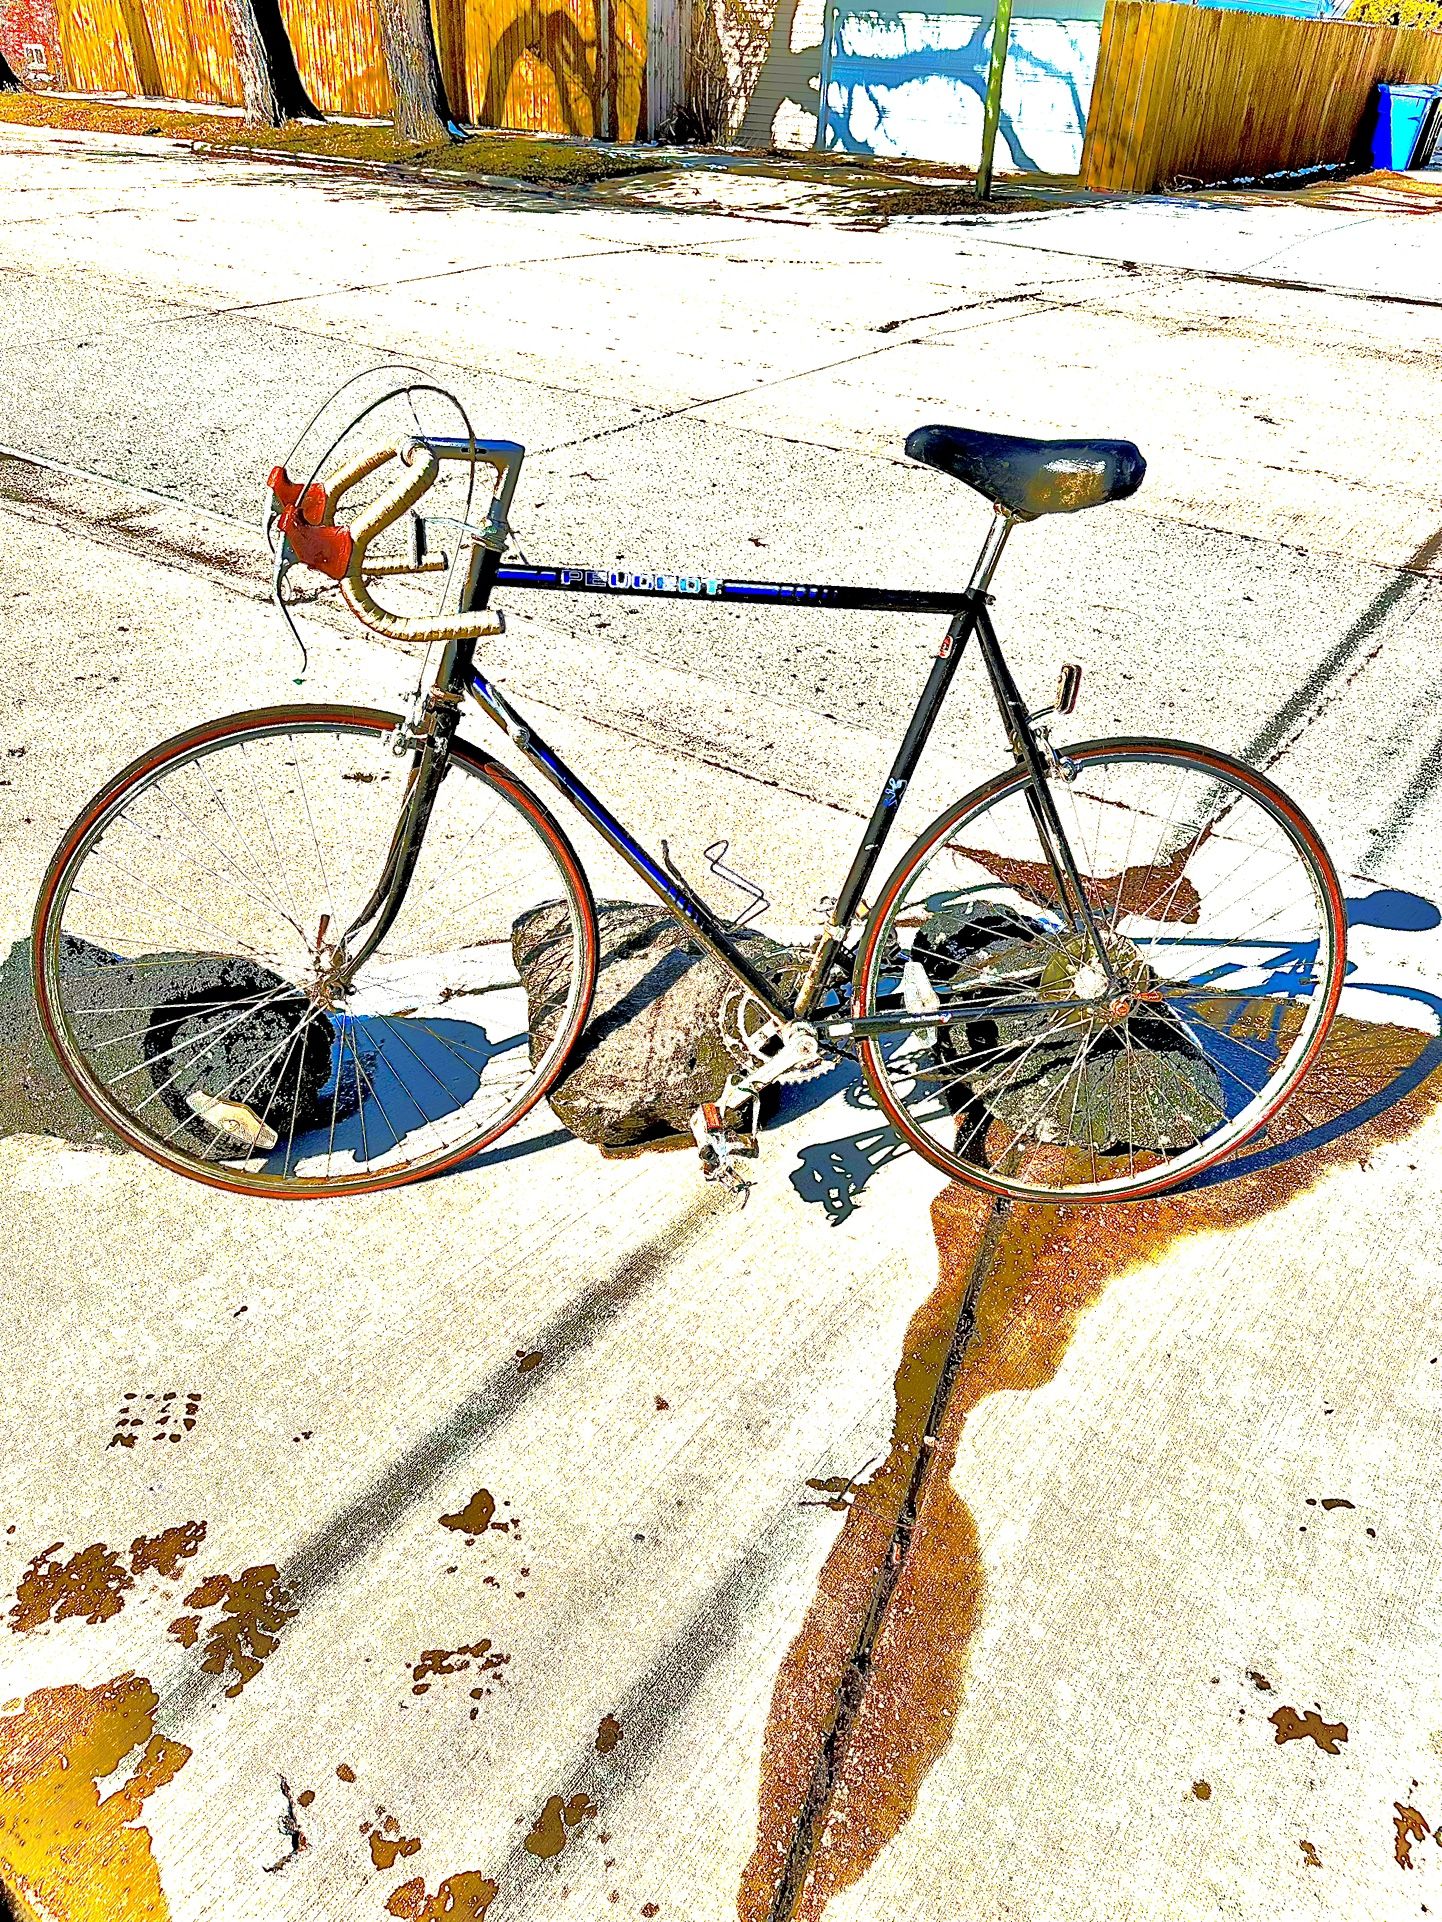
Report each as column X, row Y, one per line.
column 662, row 1037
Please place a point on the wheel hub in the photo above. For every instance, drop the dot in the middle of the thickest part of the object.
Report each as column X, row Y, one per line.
column 1074, row 973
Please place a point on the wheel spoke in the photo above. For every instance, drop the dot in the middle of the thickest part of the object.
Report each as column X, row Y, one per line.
column 255, row 833
column 1179, row 1057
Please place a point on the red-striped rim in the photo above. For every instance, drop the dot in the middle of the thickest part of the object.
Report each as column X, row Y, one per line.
column 989, row 791
column 377, row 722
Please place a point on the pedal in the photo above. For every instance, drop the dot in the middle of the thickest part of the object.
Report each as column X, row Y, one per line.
column 720, row 1146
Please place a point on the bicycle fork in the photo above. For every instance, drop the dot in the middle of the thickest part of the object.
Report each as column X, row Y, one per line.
column 429, row 739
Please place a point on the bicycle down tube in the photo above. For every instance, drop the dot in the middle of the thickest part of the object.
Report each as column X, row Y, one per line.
column 968, row 609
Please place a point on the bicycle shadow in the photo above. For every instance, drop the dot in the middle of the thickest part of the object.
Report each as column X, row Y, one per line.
column 392, row 1079
column 833, row 1174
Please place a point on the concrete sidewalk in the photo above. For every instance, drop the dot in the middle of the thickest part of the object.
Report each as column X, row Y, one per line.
column 507, row 1545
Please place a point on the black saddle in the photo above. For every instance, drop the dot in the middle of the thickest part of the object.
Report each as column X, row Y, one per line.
column 1032, row 477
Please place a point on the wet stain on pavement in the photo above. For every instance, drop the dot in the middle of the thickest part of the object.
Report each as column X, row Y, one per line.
column 1158, row 890
column 460, row 1898
column 168, row 1415
column 344, row 1772
column 93, row 1584
column 475, row 1518
column 65, row 1850
column 1309, row 1855
column 1410, row 1826
column 1294, row 1727
column 1202, row 1791
column 166, row 1551
column 477, row 1658
column 252, row 1611
column 607, row 1735
column 848, row 1742
column 549, row 1832
column 387, row 1844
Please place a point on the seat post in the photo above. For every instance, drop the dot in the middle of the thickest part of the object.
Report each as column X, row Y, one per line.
column 991, row 550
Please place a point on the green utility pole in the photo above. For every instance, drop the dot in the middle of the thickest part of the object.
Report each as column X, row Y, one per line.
column 1000, row 39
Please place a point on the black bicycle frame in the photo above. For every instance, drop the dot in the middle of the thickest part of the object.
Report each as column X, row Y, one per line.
column 968, row 609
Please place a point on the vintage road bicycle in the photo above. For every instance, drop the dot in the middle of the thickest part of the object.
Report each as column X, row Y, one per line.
column 321, row 949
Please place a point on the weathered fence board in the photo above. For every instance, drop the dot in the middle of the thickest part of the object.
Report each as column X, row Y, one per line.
column 544, row 66
column 337, row 48
column 1199, row 93
column 168, row 49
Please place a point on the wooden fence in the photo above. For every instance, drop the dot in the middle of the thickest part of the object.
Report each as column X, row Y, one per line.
column 1189, row 92
column 543, row 66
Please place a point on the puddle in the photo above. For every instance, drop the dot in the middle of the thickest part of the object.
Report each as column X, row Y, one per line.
column 1046, row 1266
column 460, row 1898
column 252, row 1611
column 93, row 1584
column 63, row 1850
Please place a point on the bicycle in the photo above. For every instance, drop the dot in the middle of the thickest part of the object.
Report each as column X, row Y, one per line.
column 1062, row 991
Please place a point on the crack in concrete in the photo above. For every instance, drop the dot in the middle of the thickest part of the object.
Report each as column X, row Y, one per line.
column 1041, row 304
column 1317, row 694
column 444, row 273
column 1228, row 277
column 815, row 1807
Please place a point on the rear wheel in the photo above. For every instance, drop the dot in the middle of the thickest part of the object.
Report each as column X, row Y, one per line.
column 188, row 921
column 1039, row 1078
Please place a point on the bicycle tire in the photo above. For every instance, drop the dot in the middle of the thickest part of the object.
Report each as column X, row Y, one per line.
column 882, row 947
column 370, row 729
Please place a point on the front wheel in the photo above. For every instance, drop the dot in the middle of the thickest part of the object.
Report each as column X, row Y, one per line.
column 189, row 956
column 1025, row 1065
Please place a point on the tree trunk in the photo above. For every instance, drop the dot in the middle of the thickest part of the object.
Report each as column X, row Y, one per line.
column 270, row 85
column 422, row 113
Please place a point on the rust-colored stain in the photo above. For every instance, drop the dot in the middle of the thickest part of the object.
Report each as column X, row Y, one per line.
column 253, row 1610
column 1309, row 1855
column 1294, row 1727
column 166, row 1551
column 169, row 1417
column 1048, row 1266
column 1329, row 1502
column 607, row 1735
column 387, row 1844
column 186, row 1630
column 92, row 1585
column 476, row 1517
column 1202, row 1791
column 1259, row 1681
column 1411, row 1827
column 649, row 1909
column 1141, row 889
column 548, row 1834
column 305, row 1798
column 460, row 1898
column 345, row 1771
column 479, row 1658
column 94, row 1582
column 527, row 1359
column 64, row 1850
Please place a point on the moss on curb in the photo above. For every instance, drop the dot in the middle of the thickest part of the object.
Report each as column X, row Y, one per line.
column 513, row 156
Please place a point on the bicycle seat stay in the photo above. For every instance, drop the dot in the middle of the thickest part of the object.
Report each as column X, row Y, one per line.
column 1029, row 478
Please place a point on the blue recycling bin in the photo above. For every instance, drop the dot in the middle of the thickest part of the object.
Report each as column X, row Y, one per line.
column 1401, row 117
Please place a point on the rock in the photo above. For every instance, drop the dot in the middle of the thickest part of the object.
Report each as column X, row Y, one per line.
column 1158, row 1093
column 662, row 1036
column 164, row 1052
